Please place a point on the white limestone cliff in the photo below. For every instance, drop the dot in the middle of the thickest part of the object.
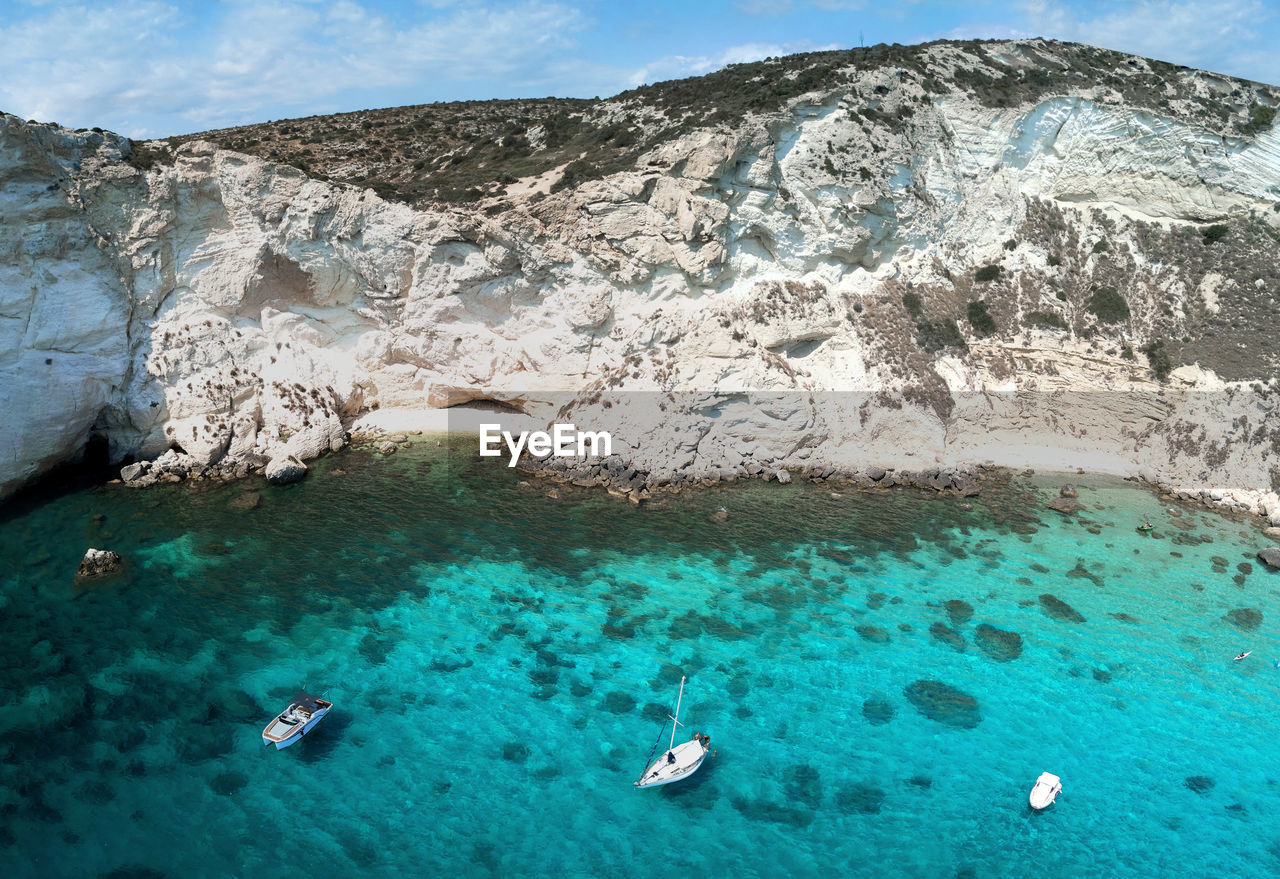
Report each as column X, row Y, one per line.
column 227, row 312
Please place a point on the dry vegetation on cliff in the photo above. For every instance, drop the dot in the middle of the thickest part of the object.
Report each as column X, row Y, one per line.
column 464, row 152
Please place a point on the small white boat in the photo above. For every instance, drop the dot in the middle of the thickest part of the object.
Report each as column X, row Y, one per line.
column 1240, row 656
column 290, row 725
column 679, row 761
column 1045, row 791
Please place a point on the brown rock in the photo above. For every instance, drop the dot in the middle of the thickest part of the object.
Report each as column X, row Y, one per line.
column 1064, row 504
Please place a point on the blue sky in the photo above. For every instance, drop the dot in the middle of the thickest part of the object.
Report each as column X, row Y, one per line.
column 159, row 67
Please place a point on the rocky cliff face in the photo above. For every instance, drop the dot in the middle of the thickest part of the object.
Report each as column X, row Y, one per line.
column 958, row 254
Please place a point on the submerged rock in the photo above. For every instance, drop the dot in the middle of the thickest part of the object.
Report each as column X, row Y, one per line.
column 250, row 500
column 1059, row 610
column 944, row 703
column 874, row 634
column 619, row 703
column 949, row 636
column 998, row 644
column 959, row 612
column 803, row 784
column 860, row 797
column 1201, row 784
column 1244, row 618
column 877, row 711
column 1080, row 572
column 99, row 563
column 1064, row 505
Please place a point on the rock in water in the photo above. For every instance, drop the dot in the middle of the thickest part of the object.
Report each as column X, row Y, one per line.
column 1064, row 504
column 133, row 472
column 283, row 471
column 250, row 500
column 877, row 711
column 1059, row 609
column 944, row 703
column 959, row 611
column 387, row 448
column 783, row 476
column 1244, row 618
column 998, row 644
column 1270, row 557
column 1068, row 490
column 1201, row 784
column 99, row 563
column 947, row 635
column 874, row 634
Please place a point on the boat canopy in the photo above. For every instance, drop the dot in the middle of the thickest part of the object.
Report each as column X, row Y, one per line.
column 305, row 701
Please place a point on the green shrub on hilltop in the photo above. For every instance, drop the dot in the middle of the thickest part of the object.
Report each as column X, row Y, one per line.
column 1260, row 118
column 934, row 336
column 987, row 273
column 1046, row 320
column 1159, row 360
column 912, row 303
column 1108, row 305
column 980, row 319
column 1215, row 233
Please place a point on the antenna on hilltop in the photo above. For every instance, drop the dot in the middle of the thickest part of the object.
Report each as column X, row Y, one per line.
column 861, row 43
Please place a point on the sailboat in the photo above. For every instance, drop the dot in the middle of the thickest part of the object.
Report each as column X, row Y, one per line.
column 679, row 761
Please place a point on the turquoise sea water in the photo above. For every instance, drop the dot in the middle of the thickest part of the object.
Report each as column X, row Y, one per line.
column 501, row 663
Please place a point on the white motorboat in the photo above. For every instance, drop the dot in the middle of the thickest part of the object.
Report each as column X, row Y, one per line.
column 679, row 761
column 1045, row 791
column 290, row 725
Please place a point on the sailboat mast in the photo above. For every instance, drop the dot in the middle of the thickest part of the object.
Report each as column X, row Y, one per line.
column 676, row 717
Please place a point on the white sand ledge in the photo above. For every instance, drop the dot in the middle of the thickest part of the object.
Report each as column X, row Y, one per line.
column 461, row 420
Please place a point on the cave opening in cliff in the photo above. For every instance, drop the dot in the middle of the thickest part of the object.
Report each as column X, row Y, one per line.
column 488, row 404
column 97, row 452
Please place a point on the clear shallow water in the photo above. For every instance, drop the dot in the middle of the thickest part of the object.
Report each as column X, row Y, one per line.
column 501, row 663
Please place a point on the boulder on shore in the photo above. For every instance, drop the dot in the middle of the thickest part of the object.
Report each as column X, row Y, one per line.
column 783, row 477
column 99, row 563
column 285, row 470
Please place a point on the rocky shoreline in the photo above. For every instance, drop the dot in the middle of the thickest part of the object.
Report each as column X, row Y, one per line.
column 615, row 475
column 621, row 480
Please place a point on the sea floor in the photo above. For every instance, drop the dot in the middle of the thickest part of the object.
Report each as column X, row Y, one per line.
column 883, row 677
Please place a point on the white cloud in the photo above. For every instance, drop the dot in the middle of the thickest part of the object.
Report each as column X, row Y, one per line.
column 680, row 66
column 1220, row 35
column 981, row 31
column 129, row 63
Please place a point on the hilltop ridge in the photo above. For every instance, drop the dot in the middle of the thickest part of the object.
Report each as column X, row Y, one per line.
column 473, row 151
